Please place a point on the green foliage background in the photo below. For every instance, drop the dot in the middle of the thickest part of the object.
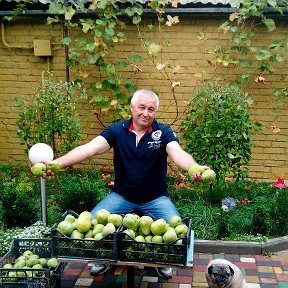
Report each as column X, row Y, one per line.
column 218, row 129
column 80, row 190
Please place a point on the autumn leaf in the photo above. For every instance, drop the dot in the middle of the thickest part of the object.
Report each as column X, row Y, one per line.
column 174, row 3
column 275, row 129
column 114, row 103
column 83, row 73
column 154, row 49
column 260, row 79
column 160, row 66
column 233, row 16
column 174, row 84
column 69, row 14
column 172, row 20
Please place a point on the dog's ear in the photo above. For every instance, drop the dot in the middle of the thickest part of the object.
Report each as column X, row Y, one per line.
column 231, row 270
column 210, row 269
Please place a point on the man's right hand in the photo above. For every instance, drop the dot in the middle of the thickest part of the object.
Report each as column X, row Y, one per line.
column 52, row 168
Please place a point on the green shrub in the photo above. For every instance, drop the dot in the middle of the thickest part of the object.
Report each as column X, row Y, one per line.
column 18, row 197
column 218, row 129
column 80, row 190
column 261, row 217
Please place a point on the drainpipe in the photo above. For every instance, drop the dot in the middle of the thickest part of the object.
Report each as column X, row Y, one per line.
column 66, row 34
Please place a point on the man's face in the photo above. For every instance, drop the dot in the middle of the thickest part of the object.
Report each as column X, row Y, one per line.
column 143, row 112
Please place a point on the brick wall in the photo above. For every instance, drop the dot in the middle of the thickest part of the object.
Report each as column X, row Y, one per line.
column 21, row 72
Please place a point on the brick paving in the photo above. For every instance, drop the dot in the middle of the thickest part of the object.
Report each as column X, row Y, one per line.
column 258, row 270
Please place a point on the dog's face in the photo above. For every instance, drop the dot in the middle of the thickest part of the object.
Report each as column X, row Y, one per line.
column 220, row 274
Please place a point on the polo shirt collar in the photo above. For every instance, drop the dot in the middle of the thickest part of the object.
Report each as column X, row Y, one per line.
column 129, row 124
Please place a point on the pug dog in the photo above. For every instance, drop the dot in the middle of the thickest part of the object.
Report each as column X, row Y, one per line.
column 221, row 273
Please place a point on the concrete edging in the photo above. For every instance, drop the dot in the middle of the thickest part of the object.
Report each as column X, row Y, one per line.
column 232, row 247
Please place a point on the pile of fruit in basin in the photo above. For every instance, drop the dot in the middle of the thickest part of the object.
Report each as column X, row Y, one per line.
column 113, row 236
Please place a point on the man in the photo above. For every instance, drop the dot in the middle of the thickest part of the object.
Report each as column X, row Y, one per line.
column 141, row 146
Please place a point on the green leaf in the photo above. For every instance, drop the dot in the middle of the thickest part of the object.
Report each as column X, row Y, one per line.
column 66, row 41
column 235, row 3
column 93, row 58
column 276, row 44
column 201, row 36
column 270, row 24
column 121, row 63
column 263, row 54
column 87, row 25
column 135, row 58
column 245, row 63
column 136, row 20
column 272, row 3
column 109, row 31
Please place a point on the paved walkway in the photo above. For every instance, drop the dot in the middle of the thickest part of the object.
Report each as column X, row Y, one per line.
column 259, row 271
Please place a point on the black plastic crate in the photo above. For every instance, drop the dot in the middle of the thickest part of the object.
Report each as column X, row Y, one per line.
column 84, row 249
column 30, row 277
column 130, row 250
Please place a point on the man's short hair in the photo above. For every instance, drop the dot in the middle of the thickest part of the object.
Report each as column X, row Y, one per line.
column 146, row 92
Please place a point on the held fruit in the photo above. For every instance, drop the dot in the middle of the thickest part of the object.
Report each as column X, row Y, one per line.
column 38, row 169
column 54, row 166
column 196, row 168
column 208, row 175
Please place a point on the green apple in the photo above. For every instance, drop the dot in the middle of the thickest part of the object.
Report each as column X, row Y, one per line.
column 27, row 253
column 170, row 236
column 175, row 221
column 83, row 224
column 148, row 238
column 115, row 219
column 65, row 227
column 196, row 168
column 102, row 216
column 181, row 230
column 109, row 228
column 131, row 221
column 70, row 218
column 208, row 175
column 38, row 169
column 54, row 166
column 129, row 233
column 139, row 238
column 89, row 234
column 76, row 234
column 52, row 263
column 43, row 262
column 157, row 239
column 98, row 236
column 97, row 229
column 145, row 223
column 158, row 227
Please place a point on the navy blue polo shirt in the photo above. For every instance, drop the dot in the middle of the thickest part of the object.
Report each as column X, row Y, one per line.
column 140, row 171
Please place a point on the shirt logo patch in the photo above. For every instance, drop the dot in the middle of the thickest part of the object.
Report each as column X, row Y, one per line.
column 156, row 135
column 155, row 145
